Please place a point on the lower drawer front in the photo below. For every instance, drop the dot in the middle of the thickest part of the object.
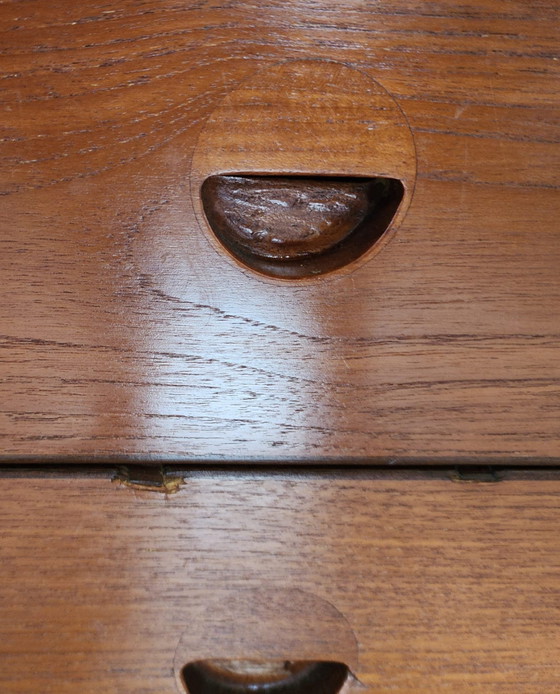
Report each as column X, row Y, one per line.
column 423, row 584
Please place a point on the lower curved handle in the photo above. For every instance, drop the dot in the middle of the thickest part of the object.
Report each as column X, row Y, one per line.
column 258, row 677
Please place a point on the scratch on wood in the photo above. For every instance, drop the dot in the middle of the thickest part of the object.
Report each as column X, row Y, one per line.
column 147, row 478
column 477, row 474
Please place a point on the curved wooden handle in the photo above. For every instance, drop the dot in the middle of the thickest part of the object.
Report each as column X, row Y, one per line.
column 293, row 226
column 252, row 677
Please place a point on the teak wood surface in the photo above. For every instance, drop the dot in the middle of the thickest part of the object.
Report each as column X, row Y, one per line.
column 129, row 333
column 418, row 583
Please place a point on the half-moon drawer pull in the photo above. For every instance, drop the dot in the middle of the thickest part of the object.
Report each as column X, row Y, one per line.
column 263, row 677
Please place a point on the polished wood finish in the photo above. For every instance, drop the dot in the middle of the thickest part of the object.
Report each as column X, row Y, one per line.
column 419, row 584
column 129, row 333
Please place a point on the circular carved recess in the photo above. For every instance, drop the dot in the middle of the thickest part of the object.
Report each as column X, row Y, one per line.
column 261, row 628
column 294, row 227
column 286, row 174
column 263, row 677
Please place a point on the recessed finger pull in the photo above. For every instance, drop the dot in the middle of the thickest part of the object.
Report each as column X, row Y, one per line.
column 263, row 677
column 307, row 167
column 294, row 226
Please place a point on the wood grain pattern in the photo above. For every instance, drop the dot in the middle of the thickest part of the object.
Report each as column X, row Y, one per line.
column 420, row 584
column 126, row 334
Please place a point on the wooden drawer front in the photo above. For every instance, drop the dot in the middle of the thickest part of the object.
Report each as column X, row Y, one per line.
column 129, row 332
column 419, row 585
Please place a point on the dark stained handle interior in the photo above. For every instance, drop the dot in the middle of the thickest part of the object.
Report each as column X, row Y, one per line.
column 294, row 226
column 259, row 677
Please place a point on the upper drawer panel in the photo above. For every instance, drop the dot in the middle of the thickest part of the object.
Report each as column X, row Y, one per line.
column 129, row 330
